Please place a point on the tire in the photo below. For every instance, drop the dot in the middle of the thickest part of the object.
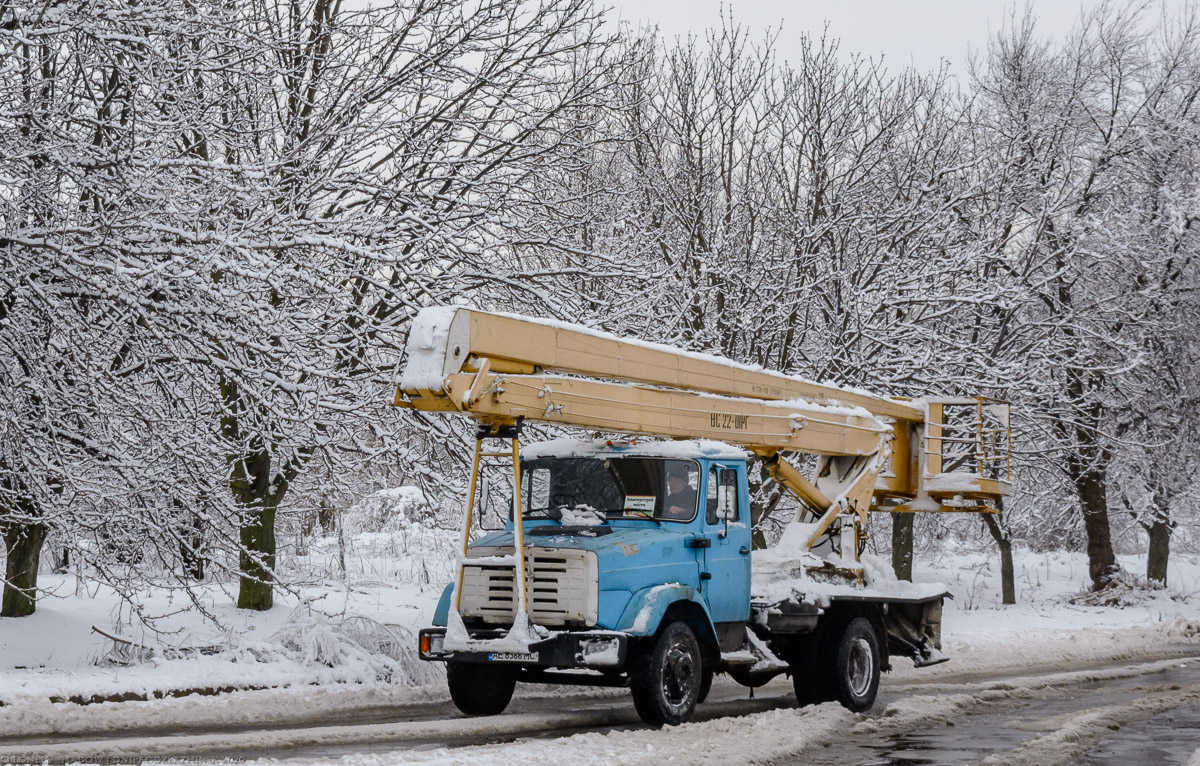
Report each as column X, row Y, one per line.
column 808, row 665
column 855, row 668
column 480, row 689
column 706, row 680
column 666, row 684
column 810, row 686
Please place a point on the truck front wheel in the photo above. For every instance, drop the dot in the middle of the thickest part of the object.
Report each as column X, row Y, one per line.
column 705, row 685
column 480, row 689
column 856, row 666
column 666, row 685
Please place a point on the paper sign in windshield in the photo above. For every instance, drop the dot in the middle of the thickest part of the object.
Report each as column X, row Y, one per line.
column 640, row 503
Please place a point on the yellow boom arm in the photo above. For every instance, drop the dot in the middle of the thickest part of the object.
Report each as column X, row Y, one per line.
column 875, row 453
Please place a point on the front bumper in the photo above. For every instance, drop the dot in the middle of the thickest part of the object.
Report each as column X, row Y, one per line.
column 595, row 650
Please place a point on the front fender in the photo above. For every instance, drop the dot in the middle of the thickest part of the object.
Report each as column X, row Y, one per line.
column 442, row 613
column 645, row 610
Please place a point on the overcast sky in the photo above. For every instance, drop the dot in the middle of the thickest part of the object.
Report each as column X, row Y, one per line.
column 918, row 31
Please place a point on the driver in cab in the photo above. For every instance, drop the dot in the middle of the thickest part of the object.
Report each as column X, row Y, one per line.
column 680, row 503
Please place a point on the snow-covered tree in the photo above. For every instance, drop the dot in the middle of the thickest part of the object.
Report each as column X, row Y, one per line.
column 250, row 202
column 1061, row 132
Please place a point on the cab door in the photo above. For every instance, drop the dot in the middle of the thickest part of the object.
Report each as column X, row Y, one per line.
column 726, row 577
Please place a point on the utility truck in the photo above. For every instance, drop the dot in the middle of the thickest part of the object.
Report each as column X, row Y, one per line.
column 630, row 562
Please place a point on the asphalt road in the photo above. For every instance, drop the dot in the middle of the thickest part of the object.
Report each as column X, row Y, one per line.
column 1139, row 712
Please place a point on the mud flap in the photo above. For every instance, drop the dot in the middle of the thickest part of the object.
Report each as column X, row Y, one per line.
column 914, row 630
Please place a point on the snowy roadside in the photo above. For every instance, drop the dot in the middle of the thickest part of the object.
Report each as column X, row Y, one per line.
column 337, row 635
column 1044, row 628
column 342, row 626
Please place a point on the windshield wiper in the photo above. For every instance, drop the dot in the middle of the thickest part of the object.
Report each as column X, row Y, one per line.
column 621, row 514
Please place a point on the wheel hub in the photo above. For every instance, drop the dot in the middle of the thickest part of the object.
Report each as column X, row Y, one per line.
column 859, row 667
column 679, row 676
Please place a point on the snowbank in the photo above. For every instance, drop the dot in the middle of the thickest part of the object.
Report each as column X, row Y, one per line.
column 755, row 738
column 353, row 627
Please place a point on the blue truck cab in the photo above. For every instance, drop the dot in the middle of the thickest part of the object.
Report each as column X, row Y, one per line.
column 638, row 574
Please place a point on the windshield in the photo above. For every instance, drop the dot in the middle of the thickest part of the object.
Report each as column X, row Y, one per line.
column 584, row 489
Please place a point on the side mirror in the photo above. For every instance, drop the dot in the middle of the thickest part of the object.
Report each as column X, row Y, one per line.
column 727, row 478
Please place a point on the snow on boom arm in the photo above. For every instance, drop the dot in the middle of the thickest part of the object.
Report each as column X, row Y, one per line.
column 875, row 453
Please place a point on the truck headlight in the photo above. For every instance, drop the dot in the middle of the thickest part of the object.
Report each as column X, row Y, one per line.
column 437, row 642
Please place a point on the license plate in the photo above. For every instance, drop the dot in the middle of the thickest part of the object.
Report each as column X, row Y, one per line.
column 513, row 656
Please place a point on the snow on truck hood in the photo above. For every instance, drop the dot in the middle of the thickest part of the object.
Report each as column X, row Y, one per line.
column 681, row 450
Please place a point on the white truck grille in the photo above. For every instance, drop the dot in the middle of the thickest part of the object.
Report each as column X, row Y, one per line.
column 562, row 587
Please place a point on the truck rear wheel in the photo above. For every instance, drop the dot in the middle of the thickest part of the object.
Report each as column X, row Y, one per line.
column 480, row 689
column 856, row 666
column 810, row 687
column 666, row 685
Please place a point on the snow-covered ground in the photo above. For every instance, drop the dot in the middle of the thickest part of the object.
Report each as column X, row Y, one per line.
column 312, row 655
column 1044, row 627
column 302, row 640
column 355, row 627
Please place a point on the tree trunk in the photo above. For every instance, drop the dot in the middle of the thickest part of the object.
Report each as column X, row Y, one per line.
column 902, row 544
column 1092, row 486
column 1160, row 549
column 191, row 544
column 257, row 559
column 999, row 530
column 24, row 545
column 326, row 515
column 1087, row 465
column 258, row 497
column 341, row 533
column 62, row 561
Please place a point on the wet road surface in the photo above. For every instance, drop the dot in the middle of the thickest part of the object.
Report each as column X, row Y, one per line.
column 1090, row 723
column 1141, row 713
